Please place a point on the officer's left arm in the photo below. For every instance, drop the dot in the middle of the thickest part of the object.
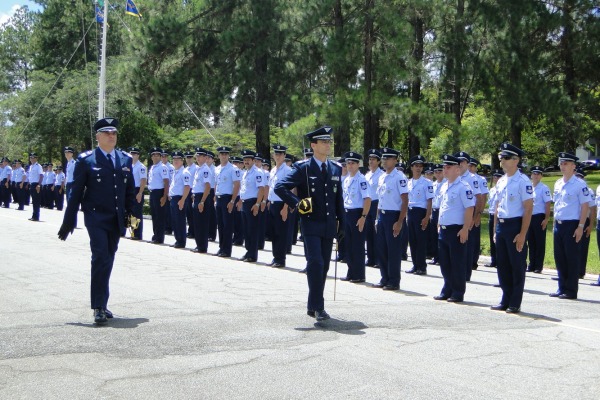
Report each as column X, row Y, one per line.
column 74, row 201
column 284, row 187
column 129, row 188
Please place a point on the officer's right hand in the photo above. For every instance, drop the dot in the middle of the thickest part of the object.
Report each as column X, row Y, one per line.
column 463, row 235
column 396, row 228
column 64, row 231
column 163, row 200
column 201, row 207
column 138, row 197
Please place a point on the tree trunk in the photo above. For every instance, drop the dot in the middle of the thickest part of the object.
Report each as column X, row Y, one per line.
column 341, row 132
column 371, row 114
column 566, row 43
column 415, row 90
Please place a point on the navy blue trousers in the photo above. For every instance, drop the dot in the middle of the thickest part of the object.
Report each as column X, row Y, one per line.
column 178, row 221
column 536, row 240
column 103, row 244
column 355, row 245
column 36, row 200
column 432, row 234
column 417, row 237
column 492, row 243
column 451, row 256
column 189, row 215
column 159, row 215
column 59, row 197
column 68, row 189
column 370, row 235
column 511, row 263
column 389, row 254
column 238, row 225
column 318, row 256
column 567, row 255
column 281, row 233
column 476, row 245
column 212, row 219
column 202, row 220
column 585, row 248
column 20, row 194
column 225, row 224
column 262, row 228
column 251, row 228
column 404, row 240
column 292, row 230
column 138, row 212
column 470, row 251
column 5, row 197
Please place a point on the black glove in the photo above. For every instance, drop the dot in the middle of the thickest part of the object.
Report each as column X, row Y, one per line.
column 64, row 231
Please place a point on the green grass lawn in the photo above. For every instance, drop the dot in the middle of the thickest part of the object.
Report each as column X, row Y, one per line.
column 593, row 265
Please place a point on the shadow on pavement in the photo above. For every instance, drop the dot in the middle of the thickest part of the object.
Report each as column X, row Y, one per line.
column 337, row 325
column 116, row 323
column 538, row 316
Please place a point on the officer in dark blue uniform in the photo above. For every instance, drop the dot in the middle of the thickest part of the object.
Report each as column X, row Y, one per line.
column 103, row 186
column 320, row 204
column 514, row 206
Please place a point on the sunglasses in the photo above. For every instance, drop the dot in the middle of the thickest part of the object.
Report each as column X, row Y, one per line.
column 506, row 157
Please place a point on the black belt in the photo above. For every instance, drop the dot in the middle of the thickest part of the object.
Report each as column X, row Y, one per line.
column 505, row 220
column 558, row 221
column 388, row 211
column 454, row 226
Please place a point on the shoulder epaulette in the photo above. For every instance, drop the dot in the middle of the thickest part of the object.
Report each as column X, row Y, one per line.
column 336, row 163
column 127, row 154
column 300, row 163
column 86, row 154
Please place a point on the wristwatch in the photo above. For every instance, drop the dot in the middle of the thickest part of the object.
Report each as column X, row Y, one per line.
column 363, row 216
column 581, row 225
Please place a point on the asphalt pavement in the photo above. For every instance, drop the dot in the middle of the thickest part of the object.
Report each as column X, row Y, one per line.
column 192, row 326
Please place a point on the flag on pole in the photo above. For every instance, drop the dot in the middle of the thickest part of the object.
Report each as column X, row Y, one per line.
column 131, row 9
column 99, row 15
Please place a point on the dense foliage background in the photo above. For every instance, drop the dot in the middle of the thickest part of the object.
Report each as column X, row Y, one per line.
column 423, row 76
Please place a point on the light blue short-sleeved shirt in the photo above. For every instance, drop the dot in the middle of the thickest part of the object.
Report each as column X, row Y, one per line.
column 252, row 180
column 139, row 172
column 225, row 175
column 568, row 198
column 59, row 179
column 158, row 172
column 456, row 197
column 181, row 178
column 18, row 174
column 70, row 168
column 473, row 181
column 277, row 174
column 419, row 192
column 541, row 196
column 373, row 180
column 202, row 176
column 35, row 170
column 355, row 191
column 511, row 192
column 437, row 199
column 389, row 188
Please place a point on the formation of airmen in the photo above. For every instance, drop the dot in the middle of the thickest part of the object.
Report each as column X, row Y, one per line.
column 373, row 216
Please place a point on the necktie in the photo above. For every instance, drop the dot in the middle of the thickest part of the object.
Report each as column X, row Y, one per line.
column 324, row 170
column 110, row 160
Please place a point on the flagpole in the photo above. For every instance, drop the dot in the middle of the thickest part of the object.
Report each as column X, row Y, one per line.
column 102, row 78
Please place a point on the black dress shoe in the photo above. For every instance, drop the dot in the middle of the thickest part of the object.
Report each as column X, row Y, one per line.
column 474, row 267
column 557, row 294
column 156, row 242
column 357, row 280
column 135, row 238
column 197, row 250
column 454, row 300
column 108, row 313
column 189, row 236
column 277, row 265
column 99, row 316
column 390, row 287
column 345, row 279
column 321, row 315
column 250, row 260
column 537, row 271
column 489, row 265
column 440, row 297
column 377, row 285
column 310, row 313
column 432, row 262
column 178, row 246
column 243, row 258
column 513, row 310
column 223, row 255
column 567, row 297
column 411, row 271
column 499, row 307
column 420, row 272
column 302, row 271
column 34, row 219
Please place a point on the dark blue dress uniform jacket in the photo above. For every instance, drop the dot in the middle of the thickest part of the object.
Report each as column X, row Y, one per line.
column 104, row 192
column 327, row 199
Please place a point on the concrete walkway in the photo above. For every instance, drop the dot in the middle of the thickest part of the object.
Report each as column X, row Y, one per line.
column 193, row 326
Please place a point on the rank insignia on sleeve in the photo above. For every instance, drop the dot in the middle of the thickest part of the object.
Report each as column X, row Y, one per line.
column 363, row 185
column 259, row 178
column 475, row 184
column 403, row 182
column 206, row 174
column 237, row 173
column 430, row 189
column 585, row 191
column 469, row 194
column 529, row 189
